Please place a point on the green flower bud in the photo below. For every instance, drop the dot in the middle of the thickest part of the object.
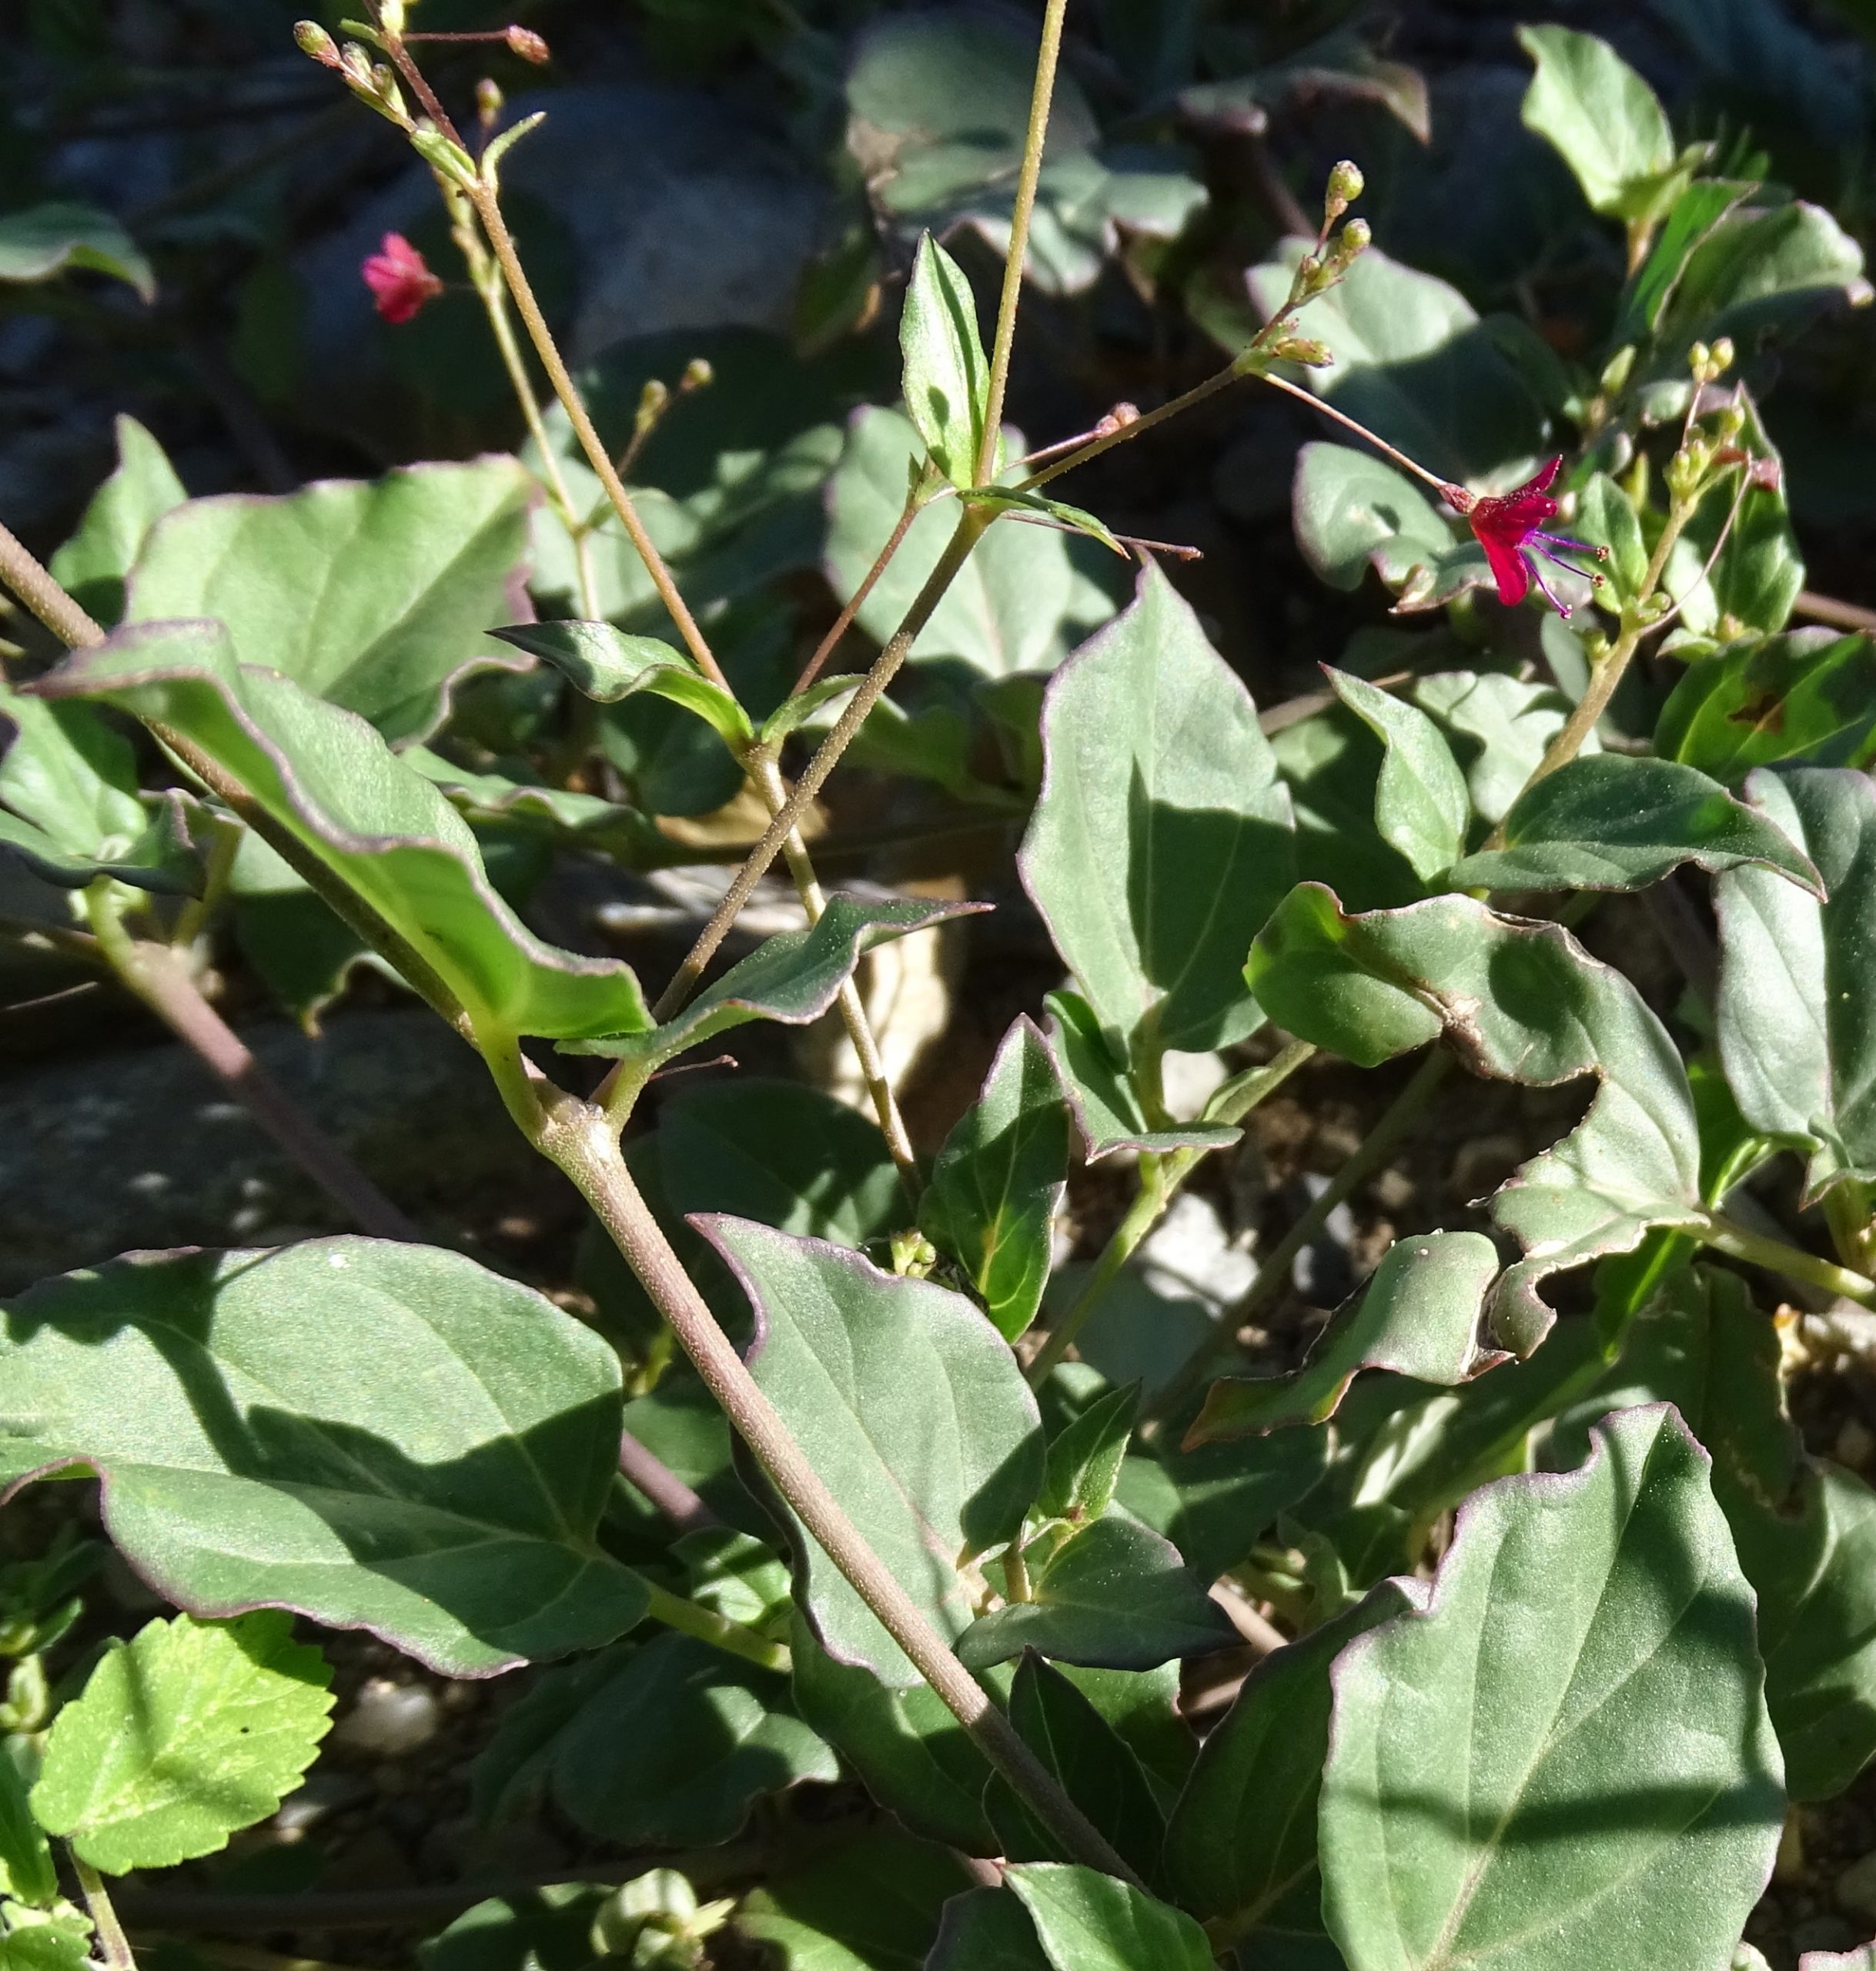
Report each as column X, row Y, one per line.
column 488, row 102
column 1353, row 240
column 1617, row 371
column 1722, row 355
column 651, row 402
column 698, row 374
column 1346, row 182
column 1305, row 349
column 313, row 40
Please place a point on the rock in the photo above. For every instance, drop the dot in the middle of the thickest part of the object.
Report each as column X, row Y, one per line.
column 1190, row 1082
column 390, row 1720
column 1189, row 1254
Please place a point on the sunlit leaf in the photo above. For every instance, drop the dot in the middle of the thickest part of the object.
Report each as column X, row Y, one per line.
column 1603, row 119
column 44, row 240
column 604, row 662
column 1421, row 804
column 91, row 566
column 1088, row 1922
column 1808, row 695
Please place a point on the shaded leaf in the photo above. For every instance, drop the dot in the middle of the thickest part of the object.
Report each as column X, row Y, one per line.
column 988, row 1930
column 1418, row 1317
column 947, row 372
column 44, row 240
column 27, row 1873
column 922, row 1426
column 1796, row 1031
column 1353, row 511
column 1088, row 1922
column 603, row 663
column 1105, row 1107
column 1502, row 725
column 869, row 1904
column 1696, row 211
column 374, row 594
column 188, row 1734
column 1603, row 118
column 1808, row 695
column 91, row 566
column 1612, row 821
column 382, row 1437
column 1575, row 1725
column 384, row 830
column 998, row 1180
column 1517, row 1001
column 1115, row 1595
column 1421, row 806
column 1084, row 1457
column 1161, row 840
column 63, row 1944
column 1216, row 1501
column 536, row 1929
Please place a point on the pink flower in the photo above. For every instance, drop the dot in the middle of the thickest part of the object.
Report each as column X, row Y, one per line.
column 399, row 279
column 1509, row 528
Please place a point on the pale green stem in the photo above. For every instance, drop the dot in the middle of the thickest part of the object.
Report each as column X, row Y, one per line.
column 1756, row 1250
column 691, row 1619
column 113, row 1946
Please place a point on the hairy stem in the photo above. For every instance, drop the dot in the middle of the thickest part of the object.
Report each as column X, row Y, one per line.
column 579, row 1140
column 647, row 1473
column 972, row 522
column 113, row 1946
column 1033, row 138
column 843, row 622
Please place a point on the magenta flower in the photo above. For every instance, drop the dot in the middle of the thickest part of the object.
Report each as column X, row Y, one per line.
column 399, row 280
column 1509, row 527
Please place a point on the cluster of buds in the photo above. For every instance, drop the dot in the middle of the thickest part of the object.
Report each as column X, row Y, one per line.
column 1709, row 365
column 655, row 1920
column 372, row 83
column 1117, row 420
column 1345, row 186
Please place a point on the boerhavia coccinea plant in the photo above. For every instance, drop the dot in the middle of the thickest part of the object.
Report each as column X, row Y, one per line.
column 1139, row 1622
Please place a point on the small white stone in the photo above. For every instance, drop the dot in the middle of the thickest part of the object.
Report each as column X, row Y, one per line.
column 1190, row 1081
column 1189, row 1253
column 389, row 1719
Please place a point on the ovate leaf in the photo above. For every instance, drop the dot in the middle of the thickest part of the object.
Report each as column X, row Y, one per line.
column 998, row 1181
column 182, row 1737
column 1573, row 1736
column 922, row 1426
column 1162, row 838
column 1808, row 695
column 386, row 1438
column 872, row 1903
column 27, row 1873
column 1418, row 1317
column 947, row 373
column 44, row 240
column 1612, row 821
column 603, row 663
column 1108, row 1113
column 536, row 1929
column 375, row 594
column 1089, row 1921
column 1500, row 725
column 1797, row 1027
column 1353, row 511
column 989, row 1930
column 92, row 564
column 1115, row 1596
column 1517, row 1001
column 1759, row 270
column 1420, row 803
column 385, row 832
column 1601, row 116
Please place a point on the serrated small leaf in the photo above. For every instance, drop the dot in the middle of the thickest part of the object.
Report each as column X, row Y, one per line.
column 604, row 662
column 373, row 595
column 1794, row 1006
column 921, row 1423
column 1809, row 695
column 383, row 1437
column 998, row 1180
column 1418, row 1317
column 1612, row 821
column 63, row 1944
column 947, row 373
column 1603, row 118
column 1115, row 1595
column 44, row 240
column 385, row 832
column 1088, row 1922
column 91, row 566
column 1102, row 1101
column 1517, row 1001
column 185, row 1736
column 794, row 978
column 1085, row 1458
column 1575, row 1727
column 1421, row 805
column 1162, row 838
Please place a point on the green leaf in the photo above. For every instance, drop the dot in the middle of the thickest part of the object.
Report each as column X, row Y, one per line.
column 1804, row 1528
column 1216, row 1501
column 45, row 240
column 62, row 1943
column 374, row 594
column 384, row 830
column 1418, row 1317
column 869, row 1904
column 988, row 1930
column 914, row 1757
column 1613, row 821
column 27, row 1872
column 1115, row 1595
column 1794, row 1008
column 1520, row 1001
column 794, row 977
column 1502, row 725
column 1103, row 1102
column 301, row 951
column 603, row 663
column 1603, row 118
column 1088, row 1922
column 1027, row 596
column 667, row 1743
column 1606, row 517
column 998, row 1181
column 1573, row 1733
column 1092, row 1763
column 793, row 712
column 1353, row 511
column 1420, row 804
column 1696, row 211
column 92, row 565
column 1808, row 695
column 1084, row 1457
column 1241, row 1845
column 947, row 373
column 184, row 1736
column 382, row 1437
column 1759, row 270
column 536, row 1929
column 1076, row 519
column 1162, row 838
column 1413, row 363
column 1753, row 580
column 68, row 805
column 921, row 1423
